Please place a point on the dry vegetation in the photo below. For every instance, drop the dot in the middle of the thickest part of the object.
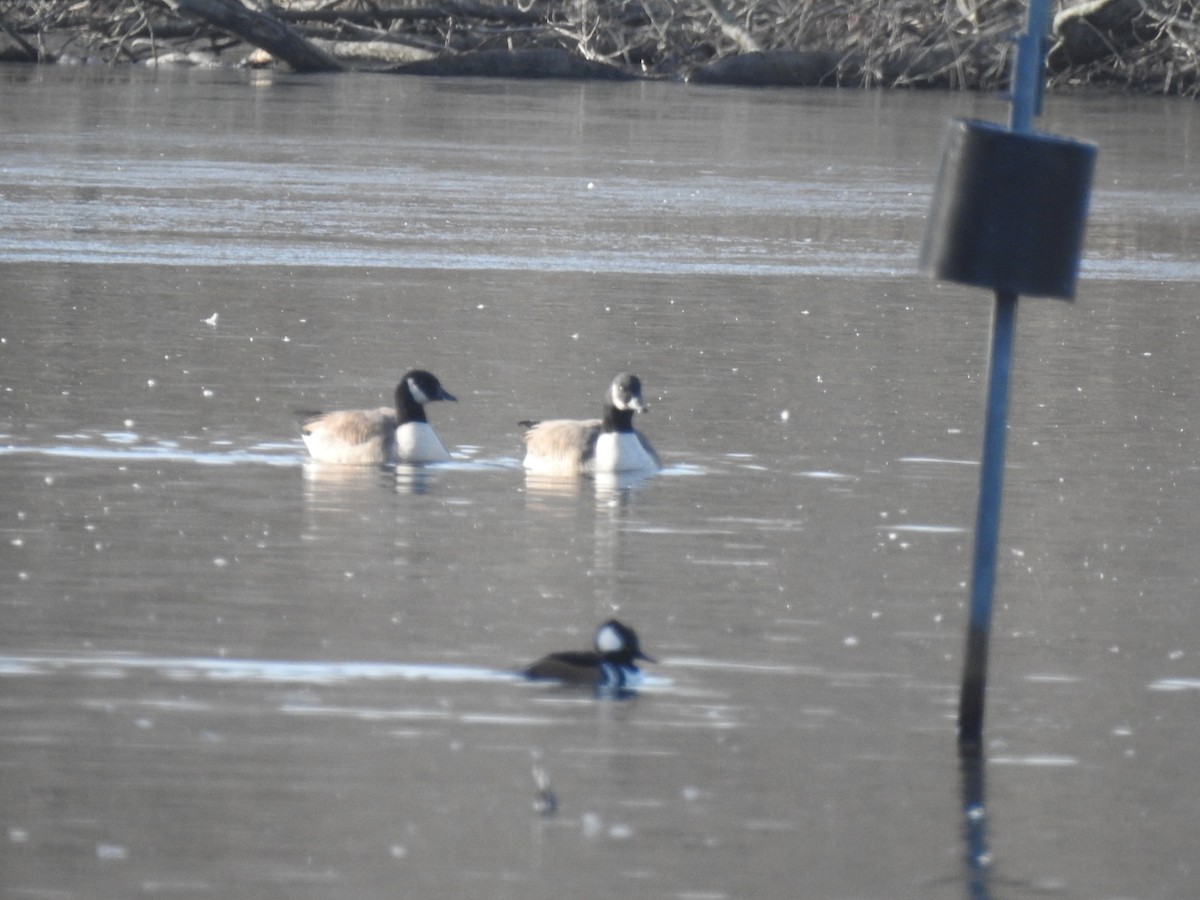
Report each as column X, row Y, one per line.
column 1145, row 45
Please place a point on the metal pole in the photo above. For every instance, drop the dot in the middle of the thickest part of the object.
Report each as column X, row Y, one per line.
column 1026, row 94
column 1027, row 80
column 987, row 524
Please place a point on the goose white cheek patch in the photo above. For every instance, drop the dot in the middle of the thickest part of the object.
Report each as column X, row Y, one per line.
column 417, row 393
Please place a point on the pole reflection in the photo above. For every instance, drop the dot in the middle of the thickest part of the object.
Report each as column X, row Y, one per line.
column 977, row 856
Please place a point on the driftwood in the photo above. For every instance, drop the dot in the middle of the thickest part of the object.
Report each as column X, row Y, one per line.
column 14, row 48
column 373, row 54
column 779, row 68
column 516, row 64
column 510, row 15
column 1140, row 44
column 1097, row 30
column 261, row 30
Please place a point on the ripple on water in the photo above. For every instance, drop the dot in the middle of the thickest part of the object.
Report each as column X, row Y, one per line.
column 124, row 447
column 168, row 451
column 248, row 670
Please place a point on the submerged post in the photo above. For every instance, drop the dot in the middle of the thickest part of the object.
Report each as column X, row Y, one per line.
column 987, row 522
column 1008, row 214
column 1026, row 103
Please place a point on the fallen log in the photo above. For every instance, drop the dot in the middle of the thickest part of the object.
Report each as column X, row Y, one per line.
column 262, row 31
column 1097, row 30
column 510, row 15
column 772, row 68
column 545, row 63
column 372, row 55
column 14, row 48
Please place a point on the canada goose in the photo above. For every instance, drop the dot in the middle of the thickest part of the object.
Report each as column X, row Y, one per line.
column 381, row 436
column 610, row 665
column 606, row 445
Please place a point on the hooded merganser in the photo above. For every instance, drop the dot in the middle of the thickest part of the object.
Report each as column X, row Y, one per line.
column 610, row 665
column 381, row 436
column 605, row 445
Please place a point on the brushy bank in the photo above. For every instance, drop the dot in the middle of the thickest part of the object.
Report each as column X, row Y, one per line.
column 1139, row 45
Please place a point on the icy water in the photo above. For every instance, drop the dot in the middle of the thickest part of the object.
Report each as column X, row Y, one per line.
column 226, row 672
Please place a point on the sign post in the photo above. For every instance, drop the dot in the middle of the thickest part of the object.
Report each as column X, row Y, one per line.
column 1008, row 214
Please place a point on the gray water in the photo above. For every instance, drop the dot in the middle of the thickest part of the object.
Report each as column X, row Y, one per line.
column 228, row 672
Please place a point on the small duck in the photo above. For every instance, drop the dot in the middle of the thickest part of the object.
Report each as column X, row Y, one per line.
column 610, row 665
column 381, row 436
column 591, row 446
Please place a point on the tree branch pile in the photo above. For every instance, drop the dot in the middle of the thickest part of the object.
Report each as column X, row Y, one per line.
column 1144, row 45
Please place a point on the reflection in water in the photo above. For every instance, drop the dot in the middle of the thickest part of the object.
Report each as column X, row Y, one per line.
column 609, row 536
column 542, row 490
column 325, row 483
column 978, row 859
column 608, row 488
column 413, row 479
column 612, row 494
column 618, row 486
column 331, row 487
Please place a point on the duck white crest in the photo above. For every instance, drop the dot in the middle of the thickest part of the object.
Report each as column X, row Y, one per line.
column 609, row 640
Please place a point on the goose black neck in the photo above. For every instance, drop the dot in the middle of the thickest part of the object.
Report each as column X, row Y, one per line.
column 617, row 419
column 408, row 409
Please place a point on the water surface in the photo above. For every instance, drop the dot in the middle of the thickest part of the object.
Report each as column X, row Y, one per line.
column 229, row 672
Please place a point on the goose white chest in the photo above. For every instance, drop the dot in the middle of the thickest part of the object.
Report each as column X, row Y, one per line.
column 417, row 442
column 623, row 451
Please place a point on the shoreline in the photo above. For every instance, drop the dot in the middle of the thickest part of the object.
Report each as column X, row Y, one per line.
column 1129, row 46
